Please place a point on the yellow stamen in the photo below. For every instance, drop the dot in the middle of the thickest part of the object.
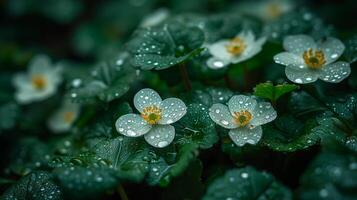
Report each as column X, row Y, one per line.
column 314, row 59
column 274, row 10
column 151, row 114
column 68, row 116
column 38, row 81
column 236, row 46
column 243, row 117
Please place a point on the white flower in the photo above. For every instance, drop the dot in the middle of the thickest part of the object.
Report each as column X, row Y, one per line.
column 307, row 60
column 154, row 120
column 155, row 18
column 63, row 118
column 244, row 117
column 240, row 48
column 39, row 83
column 267, row 10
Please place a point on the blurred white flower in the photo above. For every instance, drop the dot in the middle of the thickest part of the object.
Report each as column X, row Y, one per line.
column 267, row 10
column 155, row 18
column 40, row 82
column 307, row 60
column 154, row 120
column 240, row 48
column 244, row 117
column 62, row 120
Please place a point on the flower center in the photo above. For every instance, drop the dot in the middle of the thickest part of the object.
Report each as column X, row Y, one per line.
column 39, row 82
column 236, row 46
column 314, row 59
column 151, row 114
column 274, row 10
column 243, row 117
column 68, row 116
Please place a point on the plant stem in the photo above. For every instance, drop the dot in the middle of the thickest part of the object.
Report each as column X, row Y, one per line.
column 122, row 192
column 228, row 81
column 184, row 76
column 245, row 78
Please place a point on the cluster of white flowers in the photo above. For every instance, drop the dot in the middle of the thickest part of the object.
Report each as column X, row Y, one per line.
column 305, row 59
column 41, row 82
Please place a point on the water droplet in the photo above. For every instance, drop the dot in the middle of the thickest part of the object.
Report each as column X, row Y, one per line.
column 162, row 144
column 244, row 175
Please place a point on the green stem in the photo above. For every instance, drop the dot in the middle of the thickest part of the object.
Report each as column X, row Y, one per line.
column 246, row 78
column 122, row 192
column 228, row 81
column 184, row 76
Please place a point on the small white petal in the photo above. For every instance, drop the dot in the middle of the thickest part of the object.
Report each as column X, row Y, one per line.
column 172, row 109
column 333, row 48
column 160, row 135
column 155, row 18
column 290, row 59
column 132, row 125
column 335, row 72
column 297, row 44
column 39, row 64
column 241, row 102
column 219, row 50
column 263, row 113
column 146, row 97
column 244, row 135
column 301, row 76
column 220, row 114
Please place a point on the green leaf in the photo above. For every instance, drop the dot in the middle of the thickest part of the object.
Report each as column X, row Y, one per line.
column 302, row 103
column 271, row 92
column 37, row 186
column 298, row 22
column 128, row 156
column 330, row 176
column 351, row 49
column 208, row 96
column 288, row 134
column 246, row 183
column 161, row 172
column 196, row 127
column 109, row 81
column 29, row 154
column 85, row 183
column 165, row 46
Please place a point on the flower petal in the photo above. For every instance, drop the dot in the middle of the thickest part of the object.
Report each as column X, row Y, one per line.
column 289, row 59
column 333, row 48
column 160, row 135
column 297, row 44
column 172, row 110
column 132, row 125
column 40, row 64
column 146, row 97
column 263, row 113
column 220, row 114
column 335, row 72
column 241, row 102
column 218, row 50
column 21, row 80
column 301, row 76
column 241, row 136
column 253, row 48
